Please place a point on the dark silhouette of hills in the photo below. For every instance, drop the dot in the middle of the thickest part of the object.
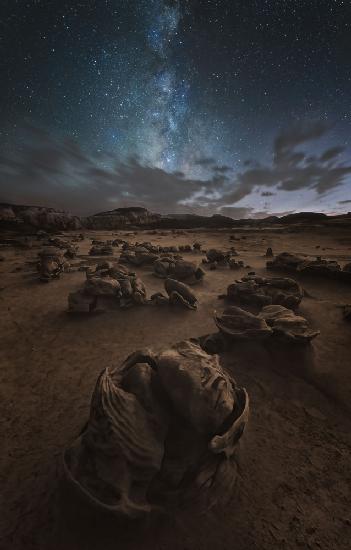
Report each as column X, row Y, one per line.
column 24, row 217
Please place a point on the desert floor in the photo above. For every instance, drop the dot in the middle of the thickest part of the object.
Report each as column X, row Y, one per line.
column 294, row 489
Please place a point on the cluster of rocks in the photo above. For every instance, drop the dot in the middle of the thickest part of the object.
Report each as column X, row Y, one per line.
column 262, row 291
column 179, row 269
column 196, row 247
column 275, row 299
column 101, row 248
column 53, row 258
column 275, row 321
column 116, row 282
column 319, row 266
column 70, row 249
column 163, row 430
column 52, row 262
column 158, row 249
column 139, row 255
column 215, row 258
column 165, row 265
column 112, row 281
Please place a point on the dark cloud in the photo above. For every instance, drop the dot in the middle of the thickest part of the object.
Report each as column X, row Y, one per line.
column 205, row 161
column 348, row 201
column 287, row 140
column 331, row 153
column 56, row 173
column 210, row 163
column 291, row 170
column 221, row 169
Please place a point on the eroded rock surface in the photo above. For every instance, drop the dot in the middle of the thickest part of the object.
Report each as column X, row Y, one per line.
column 273, row 321
column 261, row 291
column 287, row 325
column 52, row 263
column 163, row 429
column 180, row 270
column 319, row 266
column 139, row 256
column 109, row 280
column 239, row 324
column 178, row 294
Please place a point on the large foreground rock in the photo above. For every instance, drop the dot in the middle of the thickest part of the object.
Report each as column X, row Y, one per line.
column 163, row 429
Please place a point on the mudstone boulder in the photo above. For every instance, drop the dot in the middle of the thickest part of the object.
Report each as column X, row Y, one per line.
column 163, row 430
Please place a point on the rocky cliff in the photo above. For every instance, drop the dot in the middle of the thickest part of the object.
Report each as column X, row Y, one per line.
column 14, row 216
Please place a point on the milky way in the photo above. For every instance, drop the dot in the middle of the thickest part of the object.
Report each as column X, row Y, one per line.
column 198, row 89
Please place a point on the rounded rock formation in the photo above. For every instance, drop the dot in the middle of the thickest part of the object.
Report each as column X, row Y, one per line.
column 163, row 430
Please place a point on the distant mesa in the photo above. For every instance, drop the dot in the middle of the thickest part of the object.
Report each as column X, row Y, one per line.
column 122, row 217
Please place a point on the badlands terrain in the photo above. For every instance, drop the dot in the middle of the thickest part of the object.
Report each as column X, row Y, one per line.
column 294, row 467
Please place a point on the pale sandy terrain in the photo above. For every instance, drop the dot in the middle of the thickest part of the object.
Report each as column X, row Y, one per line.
column 295, row 483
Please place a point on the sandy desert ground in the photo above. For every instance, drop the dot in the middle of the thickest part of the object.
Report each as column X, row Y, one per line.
column 294, row 488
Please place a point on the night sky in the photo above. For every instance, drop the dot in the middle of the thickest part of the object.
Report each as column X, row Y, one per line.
column 240, row 107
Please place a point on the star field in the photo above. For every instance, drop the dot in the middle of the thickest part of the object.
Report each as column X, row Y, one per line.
column 197, row 88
